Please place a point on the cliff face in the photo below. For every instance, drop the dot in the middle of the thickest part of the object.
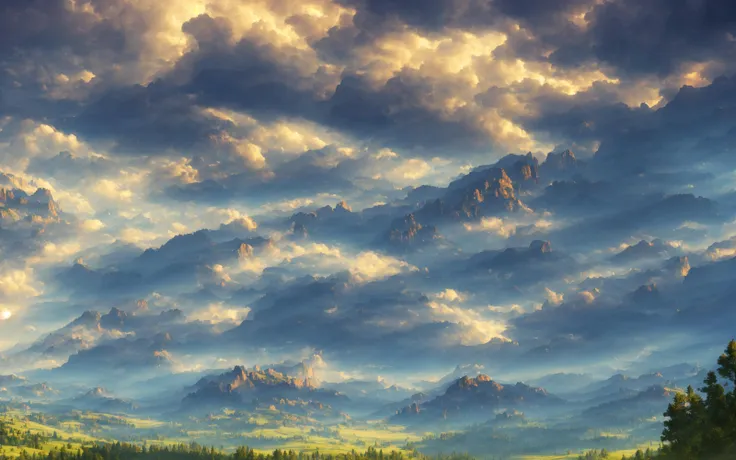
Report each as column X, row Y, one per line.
column 409, row 232
column 476, row 396
column 18, row 206
column 241, row 386
column 481, row 193
column 562, row 163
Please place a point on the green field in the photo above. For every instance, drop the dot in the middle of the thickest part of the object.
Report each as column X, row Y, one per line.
column 262, row 430
column 69, row 440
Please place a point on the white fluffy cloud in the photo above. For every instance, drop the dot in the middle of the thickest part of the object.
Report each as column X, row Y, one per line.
column 494, row 225
column 554, row 298
column 451, row 295
column 92, row 225
column 369, row 265
column 221, row 313
column 476, row 329
column 18, row 283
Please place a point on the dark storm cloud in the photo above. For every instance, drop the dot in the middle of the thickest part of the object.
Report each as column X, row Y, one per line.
column 698, row 125
column 633, row 37
column 394, row 115
column 255, row 79
column 49, row 25
column 144, row 120
column 654, row 37
column 644, row 154
column 68, row 168
column 259, row 79
column 245, row 75
column 461, row 14
column 305, row 175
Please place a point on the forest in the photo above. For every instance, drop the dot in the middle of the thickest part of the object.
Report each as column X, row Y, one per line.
column 699, row 425
column 124, row 451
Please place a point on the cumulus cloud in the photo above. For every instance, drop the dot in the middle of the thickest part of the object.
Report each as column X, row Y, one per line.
column 451, row 295
column 370, row 265
column 475, row 329
column 146, row 120
column 17, row 283
column 228, row 216
column 220, row 312
column 588, row 296
column 323, row 259
column 92, row 225
column 495, row 225
column 136, row 235
column 554, row 298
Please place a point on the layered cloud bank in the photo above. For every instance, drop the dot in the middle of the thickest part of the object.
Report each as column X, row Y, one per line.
column 333, row 177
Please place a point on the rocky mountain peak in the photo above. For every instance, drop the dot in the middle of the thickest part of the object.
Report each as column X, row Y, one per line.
column 97, row 392
column 564, row 161
column 540, row 247
column 343, row 207
column 245, row 251
column 88, row 318
column 680, row 266
column 407, row 231
column 115, row 319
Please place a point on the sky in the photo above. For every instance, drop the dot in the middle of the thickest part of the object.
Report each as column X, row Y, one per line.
column 141, row 120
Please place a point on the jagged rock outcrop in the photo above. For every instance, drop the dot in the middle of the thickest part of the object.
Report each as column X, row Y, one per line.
column 323, row 220
column 678, row 266
column 409, row 232
column 476, row 397
column 520, row 168
column 480, row 193
column 100, row 400
column 245, row 251
column 241, row 386
column 646, row 295
column 37, row 209
column 557, row 164
column 644, row 250
column 540, row 247
column 411, row 409
column 115, row 319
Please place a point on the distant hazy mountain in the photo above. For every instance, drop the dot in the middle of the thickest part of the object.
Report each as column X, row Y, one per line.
column 475, row 398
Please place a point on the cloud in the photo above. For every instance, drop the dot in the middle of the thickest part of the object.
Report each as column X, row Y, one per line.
column 370, row 265
column 92, row 225
column 623, row 34
column 588, row 296
column 229, row 216
column 475, row 330
column 554, row 298
column 451, row 295
column 112, row 190
column 323, row 259
column 16, row 283
column 219, row 313
column 135, row 235
column 494, row 225
column 147, row 120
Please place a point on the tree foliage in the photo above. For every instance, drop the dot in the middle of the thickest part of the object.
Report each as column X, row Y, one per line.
column 124, row 451
column 702, row 426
